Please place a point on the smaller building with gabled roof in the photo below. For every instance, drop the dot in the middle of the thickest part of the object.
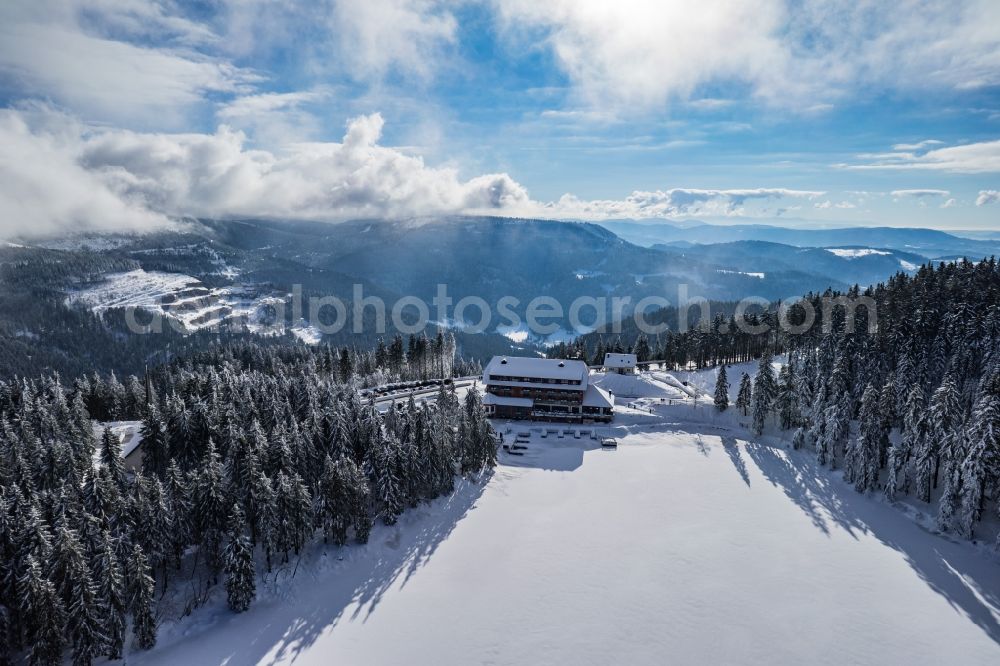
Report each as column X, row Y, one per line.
column 623, row 364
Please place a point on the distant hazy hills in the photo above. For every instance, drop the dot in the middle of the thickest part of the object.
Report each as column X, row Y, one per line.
column 929, row 243
column 847, row 263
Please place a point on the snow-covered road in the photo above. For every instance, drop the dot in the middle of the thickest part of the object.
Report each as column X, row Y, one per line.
column 685, row 545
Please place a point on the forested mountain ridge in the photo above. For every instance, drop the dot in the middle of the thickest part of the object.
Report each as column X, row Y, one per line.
column 42, row 328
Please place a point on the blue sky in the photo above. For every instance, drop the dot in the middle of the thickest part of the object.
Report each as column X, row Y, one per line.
column 803, row 112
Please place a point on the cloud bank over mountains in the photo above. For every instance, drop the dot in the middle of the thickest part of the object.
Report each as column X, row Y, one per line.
column 125, row 114
column 59, row 175
column 89, row 179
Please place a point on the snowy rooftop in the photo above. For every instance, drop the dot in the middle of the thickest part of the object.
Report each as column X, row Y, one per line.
column 595, row 397
column 535, row 368
column 503, row 401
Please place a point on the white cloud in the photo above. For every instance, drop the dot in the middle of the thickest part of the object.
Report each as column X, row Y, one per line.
column 274, row 119
column 804, row 54
column 375, row 37
column 137, row 19
column 674, row 202
column 919, row 194
column 56, row 176
column 44, row 189
column 367, row 40
column 988, row 197
column 982, row 157
column 829, row 204
column 49, row 51
column 637, row 53
column 950, row 203
column 920, row 145
column 217, row 176
column 710, row 103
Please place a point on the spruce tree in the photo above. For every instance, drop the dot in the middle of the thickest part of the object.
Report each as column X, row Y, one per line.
column 141, row 588
column 241, row 585
column 336, row 501
column 86, row 620
column 950, row 504
column 179, row 501
column 155, row 455
column 361, row 512
column 982, row 464
column 722, row 390
column 210, row 516
column 111, row 591
column 863, row 466
column 111, row 458
column 764, row 390
column 785, row 399
column 387, row 487
column 43, row 616
column 901, row 454
column 745, row 395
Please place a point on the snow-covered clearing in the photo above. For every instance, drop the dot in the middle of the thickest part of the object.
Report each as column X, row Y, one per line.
column 307, row 333
column 186, row 300
column 704, row 380
column 138, row 288
column 728, row 272
column 690, row 543
column 855, row 252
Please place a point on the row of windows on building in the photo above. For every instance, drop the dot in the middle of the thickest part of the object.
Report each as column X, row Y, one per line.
column 534, row 380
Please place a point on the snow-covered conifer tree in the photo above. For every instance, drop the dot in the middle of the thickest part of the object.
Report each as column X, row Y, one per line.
column 111, row 591
column 722, row 390
column 241, row 583
column 863, row 466
column 785, row 400
column 111, row 457
column 141, row 589
column 745, row 395
column 43, row 615
column 764, row 390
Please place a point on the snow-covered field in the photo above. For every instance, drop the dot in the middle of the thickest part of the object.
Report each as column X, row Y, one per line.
column 687, row 544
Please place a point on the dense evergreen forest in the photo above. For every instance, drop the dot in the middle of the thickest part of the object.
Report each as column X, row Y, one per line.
column 249, row 453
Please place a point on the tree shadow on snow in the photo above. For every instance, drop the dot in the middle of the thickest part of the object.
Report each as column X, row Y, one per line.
column 289, row 625
column 965, row 578
column 733, row 451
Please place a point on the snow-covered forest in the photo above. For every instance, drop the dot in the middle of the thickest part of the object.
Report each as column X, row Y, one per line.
column 911, row 407
column 249, row 453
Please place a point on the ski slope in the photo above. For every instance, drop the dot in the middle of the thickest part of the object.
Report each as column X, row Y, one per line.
column 687, row 544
